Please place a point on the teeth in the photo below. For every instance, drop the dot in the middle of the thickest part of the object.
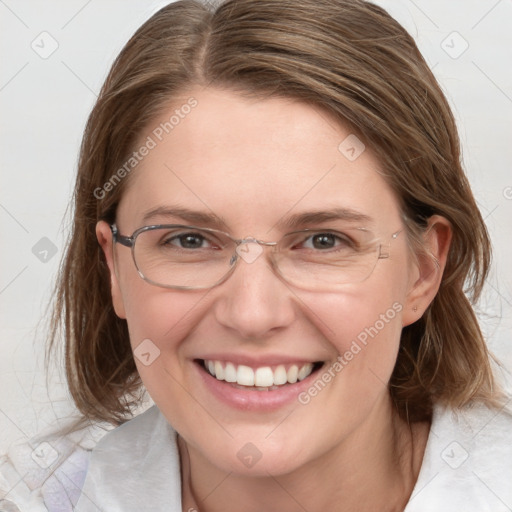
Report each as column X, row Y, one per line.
column 305, row 371
column 280, row 376
column 293, row 373
column 260, row 378
column 244, row 375
column 229, row 372
column 264, row 377
column 219, row 371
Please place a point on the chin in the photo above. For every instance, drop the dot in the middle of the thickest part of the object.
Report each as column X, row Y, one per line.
column 253, row 452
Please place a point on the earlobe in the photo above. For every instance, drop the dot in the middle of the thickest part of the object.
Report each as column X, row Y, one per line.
column 430, row 268
column 104, row 236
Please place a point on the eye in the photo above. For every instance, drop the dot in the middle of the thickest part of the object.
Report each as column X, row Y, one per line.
column 325, row 241
column 192, row 240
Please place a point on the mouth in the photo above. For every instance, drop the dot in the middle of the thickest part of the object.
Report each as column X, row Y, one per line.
column 261, row 378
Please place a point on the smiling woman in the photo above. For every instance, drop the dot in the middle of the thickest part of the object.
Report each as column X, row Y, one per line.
column 289, row 272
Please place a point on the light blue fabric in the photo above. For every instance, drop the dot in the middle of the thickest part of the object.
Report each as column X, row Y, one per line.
column 47, row 472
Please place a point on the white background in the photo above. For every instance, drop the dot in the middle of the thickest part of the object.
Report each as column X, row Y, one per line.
column 44, row 104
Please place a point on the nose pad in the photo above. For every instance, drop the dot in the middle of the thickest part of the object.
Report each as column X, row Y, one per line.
column 249, row 250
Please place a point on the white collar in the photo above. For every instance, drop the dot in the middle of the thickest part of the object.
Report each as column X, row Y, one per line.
column 134, row 467
column 467, row 465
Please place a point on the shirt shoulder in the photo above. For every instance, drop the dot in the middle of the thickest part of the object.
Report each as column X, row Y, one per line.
column 467, row 463
column 134, row 467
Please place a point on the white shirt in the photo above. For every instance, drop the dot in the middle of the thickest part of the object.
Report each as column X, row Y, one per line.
column 467, row 467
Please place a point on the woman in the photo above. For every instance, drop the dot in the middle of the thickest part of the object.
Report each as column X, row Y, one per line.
column 273, row 234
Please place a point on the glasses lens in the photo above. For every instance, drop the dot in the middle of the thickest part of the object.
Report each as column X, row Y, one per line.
column 194, row 258
column 182, row 256
column 327, row 260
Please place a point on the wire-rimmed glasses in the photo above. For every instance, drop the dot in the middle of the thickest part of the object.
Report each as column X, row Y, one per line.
column 192, row 258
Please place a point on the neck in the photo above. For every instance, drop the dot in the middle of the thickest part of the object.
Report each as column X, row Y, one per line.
column 375, row 468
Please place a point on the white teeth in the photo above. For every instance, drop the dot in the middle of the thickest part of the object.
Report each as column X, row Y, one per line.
column 264, row 377
column 293, row 373
column 219, row 371
column 305, row 371
column 261, row 378
column 280, row 376
column 245, row 376
column 229, row 372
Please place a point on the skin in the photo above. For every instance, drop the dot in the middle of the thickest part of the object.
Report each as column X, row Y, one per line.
column 346, row 449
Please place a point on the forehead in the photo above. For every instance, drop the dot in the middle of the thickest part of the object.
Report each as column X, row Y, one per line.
column 252, row 163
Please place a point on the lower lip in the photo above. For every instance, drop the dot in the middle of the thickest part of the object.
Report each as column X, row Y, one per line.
column 251, row 399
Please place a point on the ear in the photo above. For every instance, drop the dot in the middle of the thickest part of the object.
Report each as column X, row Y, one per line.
column 104, row 236
column 429, row 269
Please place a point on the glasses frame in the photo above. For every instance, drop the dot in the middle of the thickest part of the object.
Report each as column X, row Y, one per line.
column 129, row 241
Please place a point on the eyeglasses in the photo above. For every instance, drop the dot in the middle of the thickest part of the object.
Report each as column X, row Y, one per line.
column 193, row 258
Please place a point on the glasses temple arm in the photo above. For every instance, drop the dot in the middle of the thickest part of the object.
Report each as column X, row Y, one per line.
column 127, row 241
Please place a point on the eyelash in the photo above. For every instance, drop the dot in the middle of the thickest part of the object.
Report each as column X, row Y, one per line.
column 340, row 239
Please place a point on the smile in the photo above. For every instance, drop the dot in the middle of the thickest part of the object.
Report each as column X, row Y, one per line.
column 263, row 378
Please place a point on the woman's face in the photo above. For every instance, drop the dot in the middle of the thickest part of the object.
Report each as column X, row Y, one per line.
column 256, row 166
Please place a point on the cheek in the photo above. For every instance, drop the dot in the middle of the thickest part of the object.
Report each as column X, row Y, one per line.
column 360, row 316
column 364, row 326
column 158, row 322
column 158, row 319
column 153, row 313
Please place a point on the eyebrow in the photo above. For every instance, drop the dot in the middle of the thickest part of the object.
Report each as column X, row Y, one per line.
column 295, row 221
column 321, row 216
column 184, row 214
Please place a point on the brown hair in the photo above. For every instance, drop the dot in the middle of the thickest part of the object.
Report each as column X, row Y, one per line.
column 348, row 57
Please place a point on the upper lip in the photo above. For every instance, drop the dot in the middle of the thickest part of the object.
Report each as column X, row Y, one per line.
column 258, row 361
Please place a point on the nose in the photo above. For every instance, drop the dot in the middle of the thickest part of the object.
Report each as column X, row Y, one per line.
column 254, row 302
